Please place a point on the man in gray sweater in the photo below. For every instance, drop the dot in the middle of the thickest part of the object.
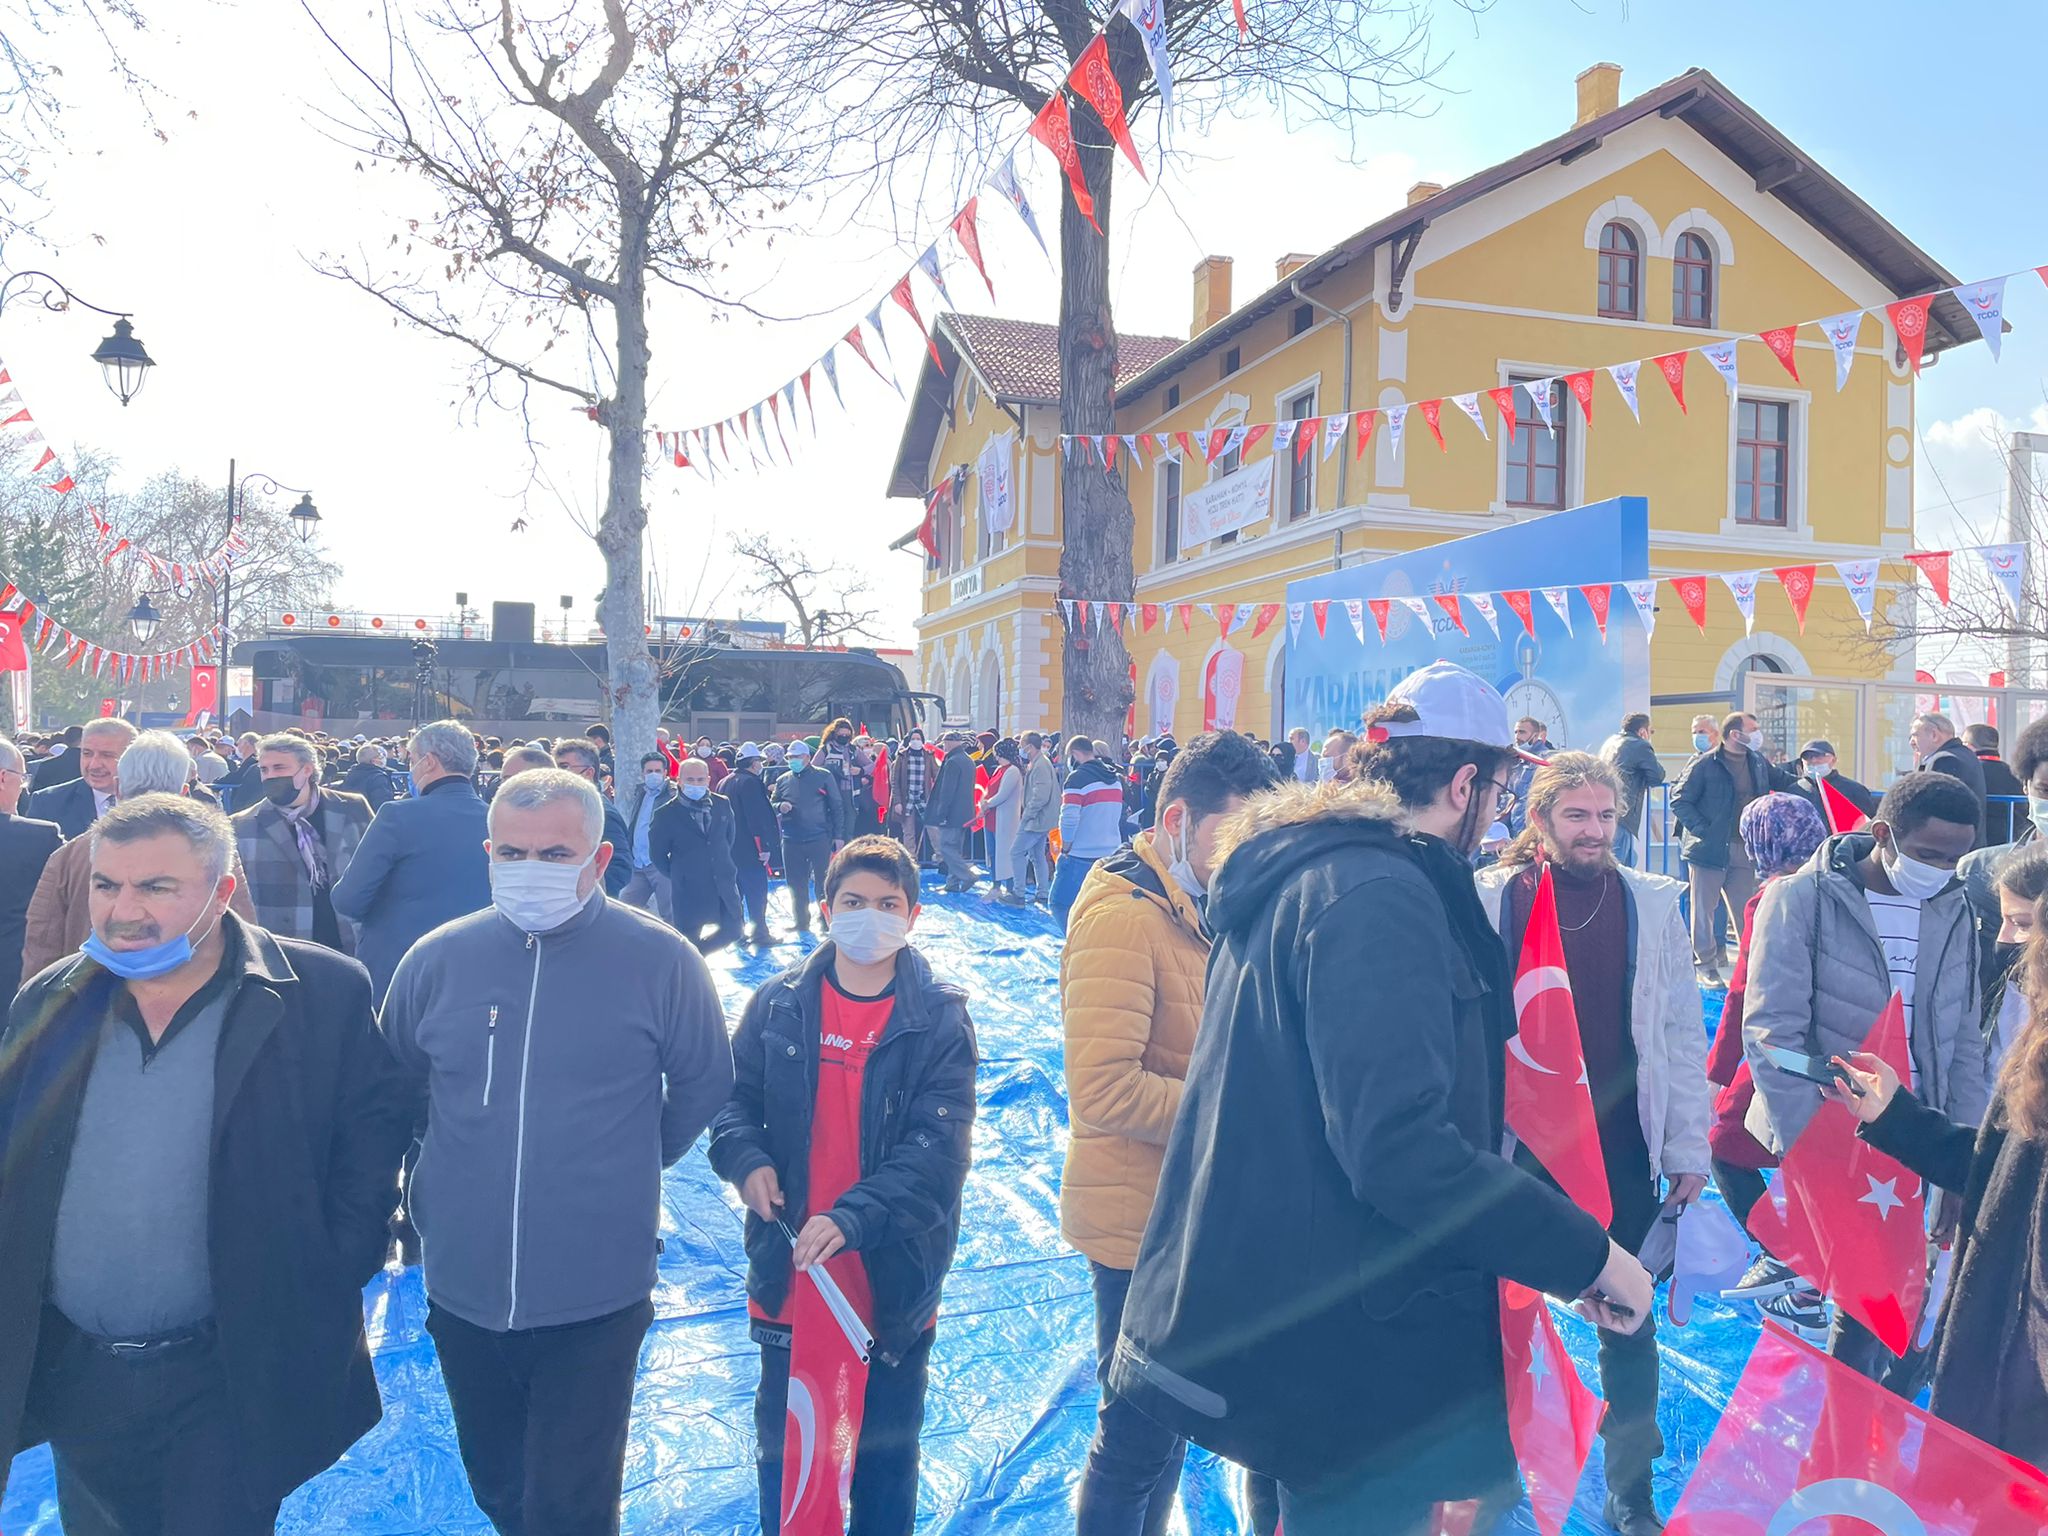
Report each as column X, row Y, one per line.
column 565, row 1048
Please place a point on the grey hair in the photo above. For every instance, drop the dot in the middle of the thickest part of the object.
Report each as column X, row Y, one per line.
column 10, row 756
column 449, row 743
column 296, row 746
column 156, row 763
column 543, row 786
column 370, row 752
column 203, row 826
column 1941, row 723
column 525, row 760
column 115, row 726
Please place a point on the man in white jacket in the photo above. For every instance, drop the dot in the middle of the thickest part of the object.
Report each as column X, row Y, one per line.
column 1628, row 953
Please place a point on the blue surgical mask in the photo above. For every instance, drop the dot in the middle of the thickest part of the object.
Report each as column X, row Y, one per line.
column 142, row 964
column 1701, row 741
column 412, row 785
column 695, row 791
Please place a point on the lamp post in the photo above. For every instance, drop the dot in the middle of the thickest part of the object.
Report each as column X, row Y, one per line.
column 305, row 517
column 143, row 619
column 123, row 360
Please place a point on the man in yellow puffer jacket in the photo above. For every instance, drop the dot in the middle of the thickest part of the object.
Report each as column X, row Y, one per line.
column 1131, row 993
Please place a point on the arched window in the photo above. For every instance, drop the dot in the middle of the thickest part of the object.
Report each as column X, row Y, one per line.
column 1621, row 256
column 1692, row 281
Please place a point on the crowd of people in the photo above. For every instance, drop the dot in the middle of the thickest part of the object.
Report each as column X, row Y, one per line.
column 287, row 1009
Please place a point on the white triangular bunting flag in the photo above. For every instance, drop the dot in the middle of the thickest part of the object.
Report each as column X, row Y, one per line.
column 1722, row 355
column 1539, row 393
column 928, row 264
column 1840, row 331
column 1644, row 595
column 2008, row 566
column 1560, row 600
column 1397, row 417
column 1131, row 446
column 1482, row 602
column 1469, row 404
column 1333, row 433
column 1743, row 585
column 1283, row 436
column 1986, row 304
column 1860, row 577
column 1354, row 609
column 1624, row 375
column 1416, row 606
column 1295, row 613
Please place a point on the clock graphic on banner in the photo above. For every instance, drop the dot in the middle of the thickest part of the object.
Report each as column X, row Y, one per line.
column 1529, row 695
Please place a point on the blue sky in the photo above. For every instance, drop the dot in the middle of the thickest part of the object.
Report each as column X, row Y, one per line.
column 206, row 239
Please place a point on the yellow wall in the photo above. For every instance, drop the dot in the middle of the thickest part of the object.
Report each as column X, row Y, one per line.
column 1511, row 279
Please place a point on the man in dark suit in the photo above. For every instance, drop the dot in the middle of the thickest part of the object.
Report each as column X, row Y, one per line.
column 690, row 840
column 2005, row 808
column 582, row 757
column 296, row 841
column 76, row 805
column 369, row 778
column 61, row 766
column 1937, row 749
column 25, row 847
column 422, row 863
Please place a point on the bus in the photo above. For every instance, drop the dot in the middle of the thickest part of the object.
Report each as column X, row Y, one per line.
column 382, row 684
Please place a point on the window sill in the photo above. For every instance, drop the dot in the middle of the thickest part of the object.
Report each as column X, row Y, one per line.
column 1790, row 532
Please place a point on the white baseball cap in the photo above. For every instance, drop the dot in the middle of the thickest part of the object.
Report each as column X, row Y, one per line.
column 1701, row 1249
column 799, row 749
column 748, row 749
column 1449, row 702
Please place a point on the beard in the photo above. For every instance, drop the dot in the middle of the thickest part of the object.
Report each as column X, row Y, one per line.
column 1580, row 856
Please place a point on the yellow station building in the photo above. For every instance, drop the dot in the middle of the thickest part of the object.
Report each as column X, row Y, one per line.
column 1672, row 221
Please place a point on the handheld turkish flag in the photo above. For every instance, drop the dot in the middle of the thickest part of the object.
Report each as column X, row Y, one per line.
column 205, row 695
column 1851, row 1218
column 1810, row 1447
column 13, row 649
column 828, row 1383
column 1552, row 1414
column 1842, row 813
column 1549, row 1104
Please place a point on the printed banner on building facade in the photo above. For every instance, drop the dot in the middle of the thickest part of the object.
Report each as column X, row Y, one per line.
column 1575, row 682
column 995, row 471
column 1222, row 688
column 1223, row 506
column 1162, row 690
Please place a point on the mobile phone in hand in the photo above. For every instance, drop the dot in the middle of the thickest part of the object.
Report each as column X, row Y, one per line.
column 1812, row 1069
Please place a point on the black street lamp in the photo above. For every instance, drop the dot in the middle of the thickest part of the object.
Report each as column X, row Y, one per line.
column 143, row 619
column 305, row 517
column 122, row 358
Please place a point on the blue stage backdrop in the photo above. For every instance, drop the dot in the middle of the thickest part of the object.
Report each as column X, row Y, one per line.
column 1576, row 685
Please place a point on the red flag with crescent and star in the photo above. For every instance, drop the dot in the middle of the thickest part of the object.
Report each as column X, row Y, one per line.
column 828, row 1383
column 13, row 648
column 1850, row 1218
column 1808, row 1447
column 1552, row 1414
column 1549, row 1102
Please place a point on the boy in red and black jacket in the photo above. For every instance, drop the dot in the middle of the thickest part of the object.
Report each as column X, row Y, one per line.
column 850, row 1121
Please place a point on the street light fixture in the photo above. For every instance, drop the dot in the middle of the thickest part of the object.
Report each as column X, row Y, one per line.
column 143, row 619
column 122, row 358
column 305, row 517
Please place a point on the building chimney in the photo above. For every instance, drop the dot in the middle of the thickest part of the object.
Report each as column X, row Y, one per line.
column 1212, row 293
column 1422, row 191
column 1599, row 92
column 1289, row 264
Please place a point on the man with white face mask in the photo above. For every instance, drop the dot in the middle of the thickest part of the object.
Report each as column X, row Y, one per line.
column 691, row 847
column 1873, row 913
column 1131, row 984
column 549, row 1118
column 849, row 1126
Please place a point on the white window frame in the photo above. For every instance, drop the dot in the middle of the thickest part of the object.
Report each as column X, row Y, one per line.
column 1161, row 559
column 1571, row 421
column 1796, row 525
column 1312, row 386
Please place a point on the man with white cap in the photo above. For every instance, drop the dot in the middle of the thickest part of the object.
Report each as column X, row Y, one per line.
column 1316, row 1296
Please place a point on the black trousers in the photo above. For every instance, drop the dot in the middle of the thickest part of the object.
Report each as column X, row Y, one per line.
column 541, row 1417
column 884, row 1494
column 754, row 889
column 804, row 860
column 1628, row 1361
column 1740, row 1188
column 144, row 1441
column 1134, row 1463
column 699, row 909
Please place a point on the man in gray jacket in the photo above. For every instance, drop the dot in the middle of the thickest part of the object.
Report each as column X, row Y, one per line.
column 1038, row 812
column 565, row 1048
column 1874, row 913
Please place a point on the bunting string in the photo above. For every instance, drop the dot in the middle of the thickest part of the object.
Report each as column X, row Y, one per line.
column 22, row 430
column 48, row 638
column 741, row 440
column 2004, row 563
column 1985, row 301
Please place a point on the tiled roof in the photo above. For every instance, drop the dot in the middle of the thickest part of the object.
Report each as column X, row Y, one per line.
column 1021, row 358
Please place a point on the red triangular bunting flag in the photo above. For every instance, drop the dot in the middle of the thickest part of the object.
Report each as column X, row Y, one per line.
column 1321, row 611
column 1305, row 435
column 1692, row 592
column 1432, row 414
column 1267, row 613
column 1219, row 439
column 1909, row 319
column 1519, row 604
column 1581, row 386
column 853, row 339
column 1054, row 128
column 1187, row 617
column 1781, row 342
column 1448, row 601
column 1095, row 81
column 902, row 295
column 1504, row 401
column 1148, row 615
column 1226, row 615
column 1244, row 26
column 1380, row 607
column 1798, row 584
column 1934, row 566
column 1597, row 598
column 64, row 486
column 1672, row 366
column 969, row 236
column 1361, row 431
column 1253, row 433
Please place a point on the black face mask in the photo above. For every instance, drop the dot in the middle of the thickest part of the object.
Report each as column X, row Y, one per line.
column 2006, row 955
column 843, row 740
column 280, row 791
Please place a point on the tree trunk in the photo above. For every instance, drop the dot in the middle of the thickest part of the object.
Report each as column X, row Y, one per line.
column 1096, row 553
column 634, row 679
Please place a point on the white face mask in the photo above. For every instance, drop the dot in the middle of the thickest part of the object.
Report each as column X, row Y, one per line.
column 655, row 780
column 1326, row 769
column 1912, row 879
column 1820, row 770
column 1179, row 865
column 2038, row 809
column 868, row 935
column 536, row 896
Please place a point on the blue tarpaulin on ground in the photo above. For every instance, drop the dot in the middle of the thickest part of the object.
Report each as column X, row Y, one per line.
column 1013, row 1393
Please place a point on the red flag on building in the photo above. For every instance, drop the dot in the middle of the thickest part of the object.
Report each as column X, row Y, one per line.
column 1850, row 1218
column 1552, row 1414
column 1096, row 82
column 1549, row 1103
column 1841, row 812
column 1808, row 1446
column 1054, row 128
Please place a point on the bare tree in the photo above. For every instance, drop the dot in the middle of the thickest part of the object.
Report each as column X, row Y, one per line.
column 826, row 599
column 581, row 158
column 927, row 82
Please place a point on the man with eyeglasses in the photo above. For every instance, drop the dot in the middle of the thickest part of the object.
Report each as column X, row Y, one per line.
column 76, row 805
column 25, row 847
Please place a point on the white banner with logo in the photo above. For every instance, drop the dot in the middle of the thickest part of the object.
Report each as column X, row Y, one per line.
column 1223, row 506
column 996, row 469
